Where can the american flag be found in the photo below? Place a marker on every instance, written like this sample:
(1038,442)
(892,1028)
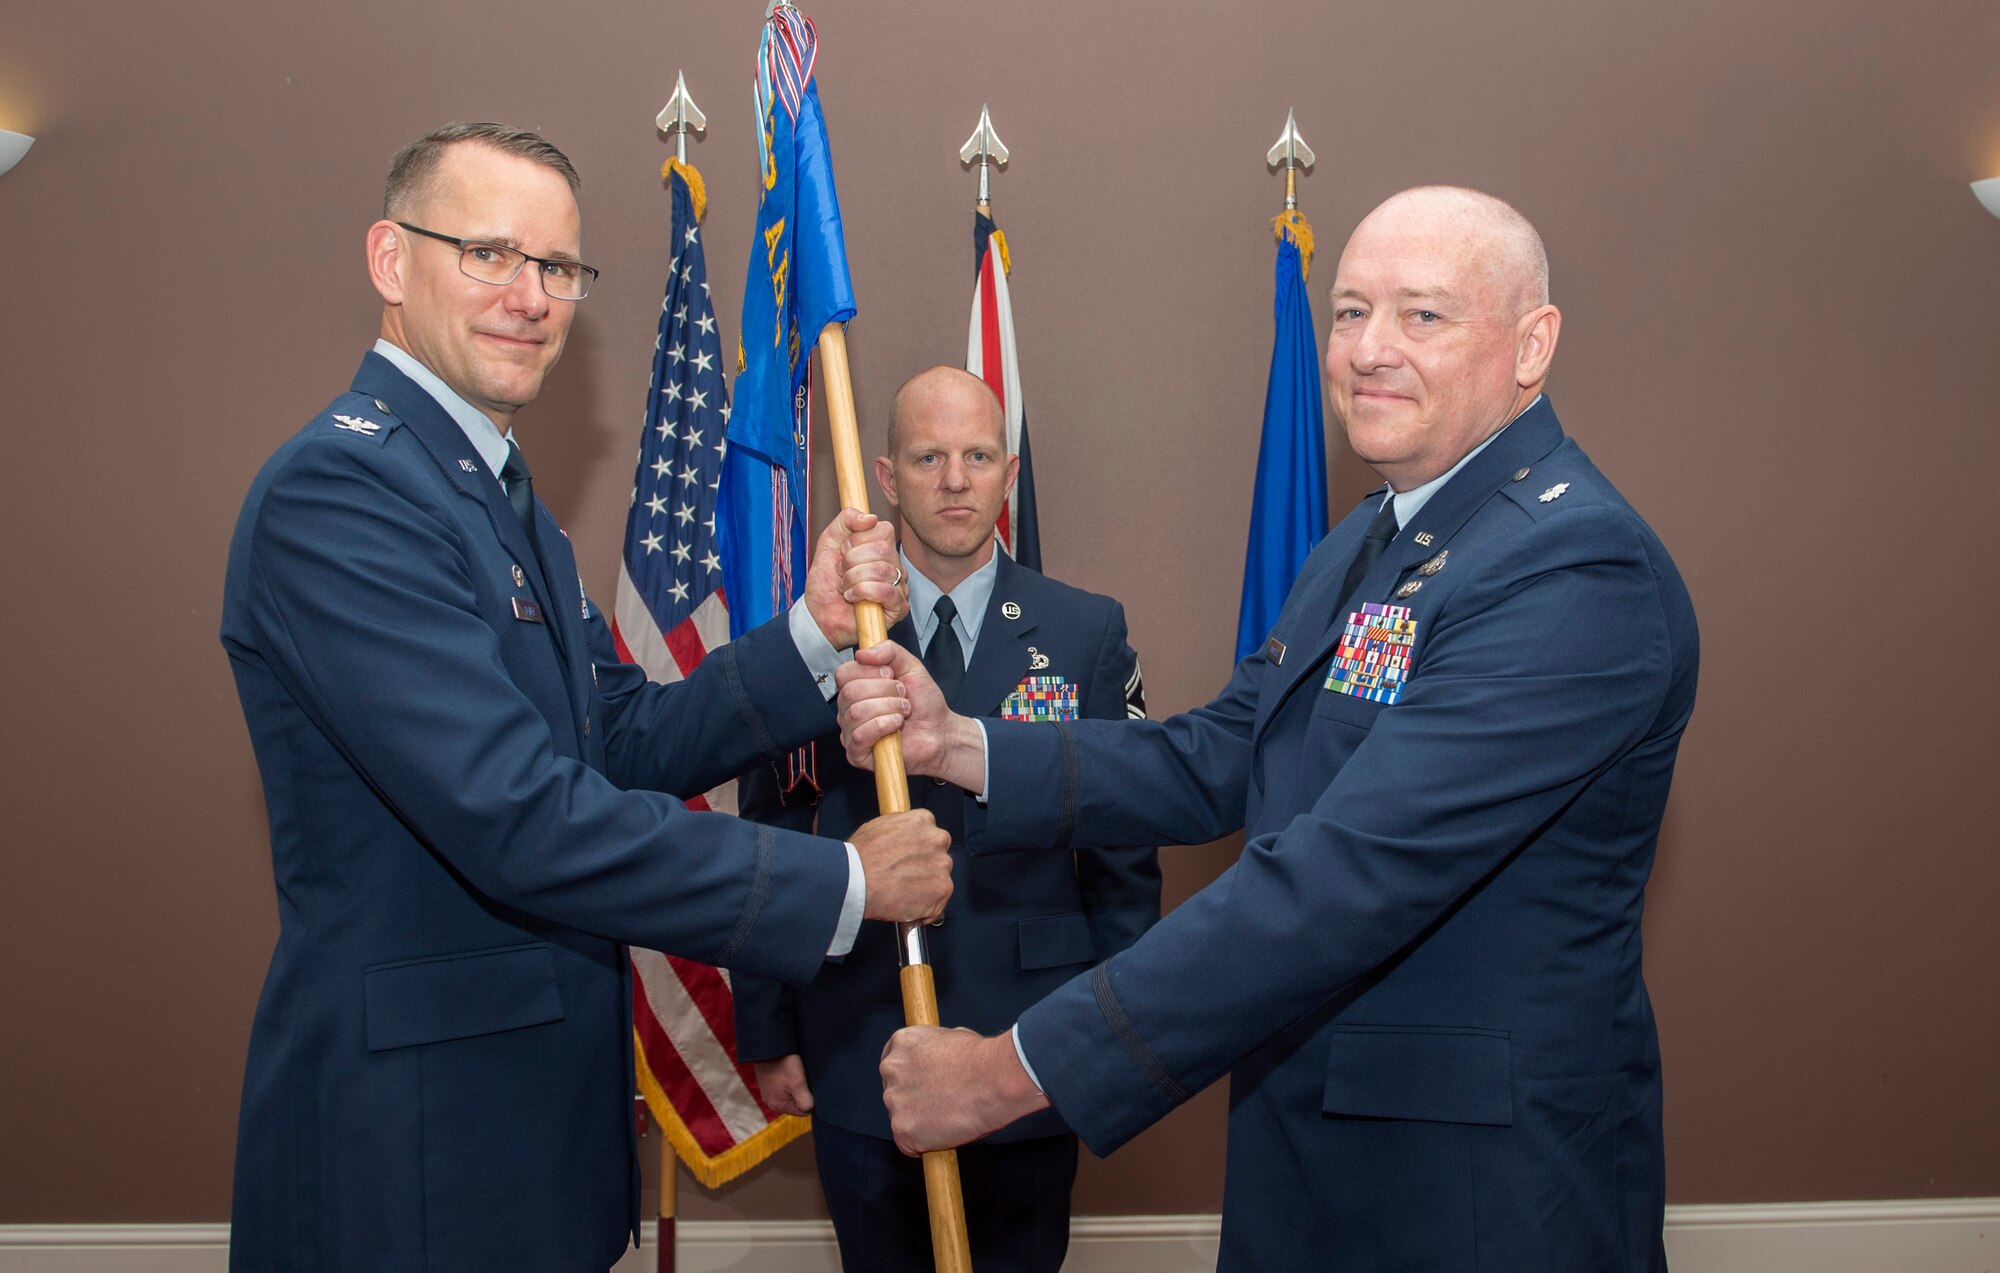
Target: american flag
(671,611)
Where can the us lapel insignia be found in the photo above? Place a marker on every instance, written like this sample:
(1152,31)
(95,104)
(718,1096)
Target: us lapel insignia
(1554,493)
(1010,610)
(355,424)
(1423,538)
(468,466)
(1434,565)
(1037,661)
(520,579)
(1274,650)
(382,406)
(1409,589)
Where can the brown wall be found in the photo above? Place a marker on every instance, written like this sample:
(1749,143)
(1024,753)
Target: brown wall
(1781,341)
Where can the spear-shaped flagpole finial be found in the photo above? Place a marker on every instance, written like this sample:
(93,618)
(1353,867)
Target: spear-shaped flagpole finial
(1291,153)
(985,149)
(681,117)
(776,5)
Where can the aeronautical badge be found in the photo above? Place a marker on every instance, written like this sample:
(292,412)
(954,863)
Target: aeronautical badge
(1041,698)
(1372,660)
(355,424)
(1434,565)
(1554,493)
(1409,589)
(1037,661)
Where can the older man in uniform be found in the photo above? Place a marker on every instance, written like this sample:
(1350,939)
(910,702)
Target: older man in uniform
(1450,761)
(472,801)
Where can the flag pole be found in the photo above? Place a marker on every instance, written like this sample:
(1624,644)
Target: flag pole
(949,1247)
(1291,153)
(677,119)
(983,148)
(670,1188)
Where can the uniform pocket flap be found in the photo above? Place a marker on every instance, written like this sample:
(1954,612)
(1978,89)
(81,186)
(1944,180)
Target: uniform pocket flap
(459,996)
(1439,1075)
(1050,941)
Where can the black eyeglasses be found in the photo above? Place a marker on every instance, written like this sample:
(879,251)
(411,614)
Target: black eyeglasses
(500,265)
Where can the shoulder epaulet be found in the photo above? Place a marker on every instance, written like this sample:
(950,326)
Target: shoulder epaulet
(1548,488)
(358,415)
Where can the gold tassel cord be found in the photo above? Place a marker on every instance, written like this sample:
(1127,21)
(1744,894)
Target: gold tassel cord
(999,241)
(731,1163)
(696,189)
(1292,223)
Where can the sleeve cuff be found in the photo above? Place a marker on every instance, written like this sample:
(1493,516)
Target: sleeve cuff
(985,789)
(1014,1032)
(818,652)
(850,907)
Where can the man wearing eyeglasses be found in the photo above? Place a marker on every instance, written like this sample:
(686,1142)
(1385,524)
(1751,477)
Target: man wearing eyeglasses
(472,800)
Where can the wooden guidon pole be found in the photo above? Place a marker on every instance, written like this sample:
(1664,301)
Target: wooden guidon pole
(892,790)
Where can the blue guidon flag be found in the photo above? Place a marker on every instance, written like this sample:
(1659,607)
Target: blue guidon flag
(797,284)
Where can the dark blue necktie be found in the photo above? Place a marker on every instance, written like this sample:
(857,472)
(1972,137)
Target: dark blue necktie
(1373,541)
(521,494)
(945,659)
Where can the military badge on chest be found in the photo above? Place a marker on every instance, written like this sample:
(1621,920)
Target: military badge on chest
(1041,698)
(1372,660)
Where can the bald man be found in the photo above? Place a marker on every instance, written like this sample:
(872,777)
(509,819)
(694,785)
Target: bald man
(1024,647)
(1450,761)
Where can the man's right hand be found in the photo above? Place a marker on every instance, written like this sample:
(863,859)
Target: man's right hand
(886,690)
(906,863)
(782,1084)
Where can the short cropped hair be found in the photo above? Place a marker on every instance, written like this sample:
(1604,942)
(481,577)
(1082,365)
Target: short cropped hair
(413,174)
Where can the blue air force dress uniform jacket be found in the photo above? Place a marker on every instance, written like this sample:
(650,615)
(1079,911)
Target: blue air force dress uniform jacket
(1018,924)
(1423,972)
(440,1070)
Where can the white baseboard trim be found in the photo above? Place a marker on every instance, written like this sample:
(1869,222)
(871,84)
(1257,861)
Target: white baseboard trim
(1952,1235)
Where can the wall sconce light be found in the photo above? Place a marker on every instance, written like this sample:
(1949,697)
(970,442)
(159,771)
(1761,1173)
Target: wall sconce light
(12,147)
(1987,190)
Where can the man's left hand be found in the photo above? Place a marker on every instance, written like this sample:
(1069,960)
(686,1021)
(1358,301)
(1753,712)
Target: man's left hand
(855,560)
(948,1087)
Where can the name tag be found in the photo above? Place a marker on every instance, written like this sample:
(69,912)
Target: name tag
(1274,650)
(527,611)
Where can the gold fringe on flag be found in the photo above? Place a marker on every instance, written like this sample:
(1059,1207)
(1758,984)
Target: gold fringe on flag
(714,1172)
(999,241)
(695,188)
(1292,222)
